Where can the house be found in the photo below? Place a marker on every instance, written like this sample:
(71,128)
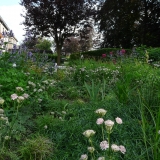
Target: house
(10,39)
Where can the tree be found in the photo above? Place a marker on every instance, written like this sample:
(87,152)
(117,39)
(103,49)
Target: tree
(149,23)
(128,22)
(86,35)
(71,45)
(117,18)
(44,44)
(29,41)
(56,18)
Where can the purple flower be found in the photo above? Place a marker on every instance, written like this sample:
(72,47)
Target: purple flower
(29,54)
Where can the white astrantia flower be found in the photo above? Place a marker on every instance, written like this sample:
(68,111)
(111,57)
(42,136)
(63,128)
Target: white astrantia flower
(109,125)
(7,137)
(45,127)
(104,145)
(14,65)
(122,149)
(89,133)
(101,158)
(64,112)
(91,149)
(1,100)
(19,89)
(1,111)
(101,112)
(14,96)
(115,148)
(100,121)
(118,120)
(20,99)
(25,95)
(84,157)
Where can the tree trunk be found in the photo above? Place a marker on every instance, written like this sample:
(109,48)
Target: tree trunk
(59,48)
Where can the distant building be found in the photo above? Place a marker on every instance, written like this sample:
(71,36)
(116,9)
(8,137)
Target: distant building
(11,39)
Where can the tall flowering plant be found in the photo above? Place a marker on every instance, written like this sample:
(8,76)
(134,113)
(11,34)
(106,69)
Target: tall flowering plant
(105,145)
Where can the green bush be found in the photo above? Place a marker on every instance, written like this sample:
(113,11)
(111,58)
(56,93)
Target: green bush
(154,54)
(97,54)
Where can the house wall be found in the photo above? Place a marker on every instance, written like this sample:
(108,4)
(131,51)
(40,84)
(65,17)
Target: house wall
(12,40)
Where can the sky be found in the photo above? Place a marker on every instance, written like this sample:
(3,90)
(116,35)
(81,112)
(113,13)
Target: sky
(10,11)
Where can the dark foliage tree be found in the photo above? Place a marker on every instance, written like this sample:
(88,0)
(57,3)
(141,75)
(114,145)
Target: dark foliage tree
(149,23)
(85,37)
(29,41)
(117,18)
(56,18)
(129,22)
(71,45)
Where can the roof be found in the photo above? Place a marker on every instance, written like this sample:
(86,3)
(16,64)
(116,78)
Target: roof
(6,26)
(4,23)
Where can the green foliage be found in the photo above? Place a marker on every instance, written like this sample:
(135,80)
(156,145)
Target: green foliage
(49,124)
(93,90)
(38,148)
(97,54)
(154,54)
(44,44)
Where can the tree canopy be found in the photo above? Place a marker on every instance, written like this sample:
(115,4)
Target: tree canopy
(56,18)
(129,22)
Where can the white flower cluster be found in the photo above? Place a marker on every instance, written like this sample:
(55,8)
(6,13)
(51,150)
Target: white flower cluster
(19,98)
(104,145)
(1,101)
(3,117)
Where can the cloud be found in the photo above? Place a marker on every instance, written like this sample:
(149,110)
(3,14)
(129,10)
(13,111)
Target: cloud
(12,17)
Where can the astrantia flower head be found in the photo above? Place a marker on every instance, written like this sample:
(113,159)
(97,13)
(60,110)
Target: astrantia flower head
(122,149)
(100,121)
(109,125)
(19,89)
(20,99)
(7,137)
(14,65)
(115,148)
(104,145)
(1,100)
(84,157)
(101,158)
(118,120)
(14,96)
(91,149)
(1,111)
(101,112)
(25,95)
(89,133)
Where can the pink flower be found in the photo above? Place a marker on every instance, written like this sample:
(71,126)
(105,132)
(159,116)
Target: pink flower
(118,120)
(122,149)
(103,55)
(84,157)
(104,145)
(100,121)
(123,51)
(14,96)
(25,95)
